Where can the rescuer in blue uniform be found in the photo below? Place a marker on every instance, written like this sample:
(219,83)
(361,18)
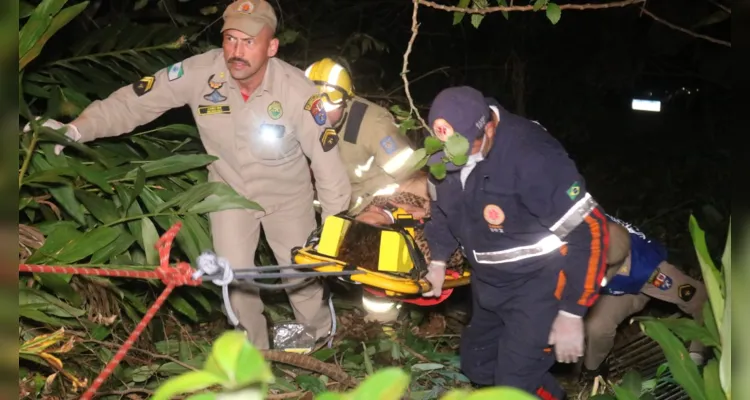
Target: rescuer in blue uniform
(535,237)
(637,272)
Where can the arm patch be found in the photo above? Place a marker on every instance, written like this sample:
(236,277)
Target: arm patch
(328,139)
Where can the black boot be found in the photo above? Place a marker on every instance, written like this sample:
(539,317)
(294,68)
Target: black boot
(588,375)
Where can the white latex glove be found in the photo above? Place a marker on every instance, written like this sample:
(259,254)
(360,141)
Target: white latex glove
(567,337)
(72,132)
(436,277)
(697,358)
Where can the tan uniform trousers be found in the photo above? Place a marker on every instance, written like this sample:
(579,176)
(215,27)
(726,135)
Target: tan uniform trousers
(609,311)
(236,234)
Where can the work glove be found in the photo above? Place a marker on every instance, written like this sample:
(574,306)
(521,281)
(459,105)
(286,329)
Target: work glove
(567,337)
(72,132)
(436,277)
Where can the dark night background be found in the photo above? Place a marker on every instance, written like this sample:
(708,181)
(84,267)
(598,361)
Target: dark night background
(577,78)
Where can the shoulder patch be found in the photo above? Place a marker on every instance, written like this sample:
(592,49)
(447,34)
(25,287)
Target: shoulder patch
(175,71)
(318,112)
(310,101)
(574,190)
(328,139)
(388,144)
(144,85)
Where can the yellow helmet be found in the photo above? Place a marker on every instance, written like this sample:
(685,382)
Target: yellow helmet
(333,81)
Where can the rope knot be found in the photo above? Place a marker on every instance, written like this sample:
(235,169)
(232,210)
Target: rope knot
(173,276)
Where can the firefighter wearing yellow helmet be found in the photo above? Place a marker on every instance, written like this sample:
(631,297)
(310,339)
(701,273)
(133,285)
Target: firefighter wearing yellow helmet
(374,152)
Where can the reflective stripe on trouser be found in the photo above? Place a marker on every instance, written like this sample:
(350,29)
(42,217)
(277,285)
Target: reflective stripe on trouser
(235,236)
(560,229)
(506,341)
(610,311)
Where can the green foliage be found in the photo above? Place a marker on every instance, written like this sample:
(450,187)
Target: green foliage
(455,150)
(240,369)
(671,333)
(552,10)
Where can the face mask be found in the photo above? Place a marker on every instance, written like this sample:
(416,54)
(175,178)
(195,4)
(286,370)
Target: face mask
(478,157)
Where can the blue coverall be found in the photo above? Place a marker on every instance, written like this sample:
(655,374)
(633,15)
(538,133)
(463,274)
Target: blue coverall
(544,252)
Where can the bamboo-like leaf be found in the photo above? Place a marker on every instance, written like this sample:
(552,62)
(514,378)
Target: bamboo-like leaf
(725,330)
(118,246)
(61,19)
(224,198)
(38,23)
(687,329)
(100,208)
(47,303)
(173,165)
(180,304)
(712,381)
(92,175)
(150,238)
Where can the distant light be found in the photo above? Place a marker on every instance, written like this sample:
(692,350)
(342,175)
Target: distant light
(646,105)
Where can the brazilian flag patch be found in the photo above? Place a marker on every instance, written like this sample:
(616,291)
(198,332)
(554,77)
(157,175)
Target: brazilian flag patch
(574,190)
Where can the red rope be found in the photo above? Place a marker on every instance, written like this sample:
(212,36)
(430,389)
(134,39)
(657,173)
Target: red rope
(172,277)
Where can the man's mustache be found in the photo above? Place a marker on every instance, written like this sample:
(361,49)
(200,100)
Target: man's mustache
(239,60)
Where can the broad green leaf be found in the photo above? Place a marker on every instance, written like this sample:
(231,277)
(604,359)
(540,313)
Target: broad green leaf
(24,9)
(711,276)
(725,331)
(180,304)
(625,394)
(417,159)
(456,144)
(476,20)
(332,396)
(59,284)
(682,367)
(48,176)
(118,246)
(47,303)
(203,396)
(712,381)
(224,198)
(150,238)
(538,4)
(92,175)
(189,382)
(173,165)
(38,23)
(233,357)
(192,196)
(427,367)
(631,383)
(687,329)
(101,209)
(505,393)
(432,145)
(710,323)
(60,20)
(386,384)
(438,170)
(553,13)
(502,3)
(460,159)
(458,16)
(31,311)
(69,247)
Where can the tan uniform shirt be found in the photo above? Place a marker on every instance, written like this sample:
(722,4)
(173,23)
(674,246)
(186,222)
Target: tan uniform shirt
(261,143)
(375,154)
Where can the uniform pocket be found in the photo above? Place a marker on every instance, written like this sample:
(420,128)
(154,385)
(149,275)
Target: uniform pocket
(273,144)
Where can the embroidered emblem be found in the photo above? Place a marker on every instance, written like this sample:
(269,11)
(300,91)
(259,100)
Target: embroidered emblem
(442,129)
(215,96)
(662,281)
(328,139)
(210,110)
(686,292)
(388,144)
(574,190)
(318,112)
(274,110)
(246,8)
(144,85)
(494,216)
(624,270)
(310,101)
(175,71)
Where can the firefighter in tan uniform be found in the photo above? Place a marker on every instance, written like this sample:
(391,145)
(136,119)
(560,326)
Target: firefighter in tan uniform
(260,116)
(638,271)
(374,151)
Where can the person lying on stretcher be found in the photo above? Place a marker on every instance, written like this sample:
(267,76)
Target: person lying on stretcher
(361,244)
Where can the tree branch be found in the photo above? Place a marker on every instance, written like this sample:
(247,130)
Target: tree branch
(723,7)
(685,31)
(488,10)
(405,69)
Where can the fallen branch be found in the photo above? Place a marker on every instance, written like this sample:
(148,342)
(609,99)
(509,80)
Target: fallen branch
(685,31)
(489,10)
